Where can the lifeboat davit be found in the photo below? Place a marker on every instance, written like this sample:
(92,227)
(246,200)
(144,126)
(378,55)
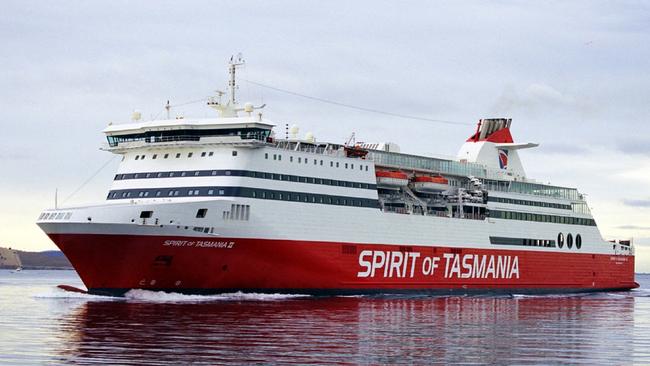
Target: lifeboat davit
(392,179)
(428,184)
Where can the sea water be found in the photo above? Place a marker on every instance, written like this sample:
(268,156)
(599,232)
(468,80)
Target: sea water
(40,324)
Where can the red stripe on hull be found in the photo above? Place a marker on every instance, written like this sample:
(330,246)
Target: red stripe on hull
(212,265)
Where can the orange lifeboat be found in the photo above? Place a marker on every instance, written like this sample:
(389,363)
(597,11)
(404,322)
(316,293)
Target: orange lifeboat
(391,179)
(428,184)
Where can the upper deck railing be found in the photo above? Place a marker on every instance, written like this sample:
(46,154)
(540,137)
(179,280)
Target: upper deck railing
(492,181)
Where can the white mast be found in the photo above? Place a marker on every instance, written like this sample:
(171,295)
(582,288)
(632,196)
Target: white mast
(233,84)
(230,109)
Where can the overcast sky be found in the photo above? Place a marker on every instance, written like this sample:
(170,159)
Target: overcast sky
(574,76)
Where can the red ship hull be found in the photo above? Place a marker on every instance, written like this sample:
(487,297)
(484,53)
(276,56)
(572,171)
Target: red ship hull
(114,264)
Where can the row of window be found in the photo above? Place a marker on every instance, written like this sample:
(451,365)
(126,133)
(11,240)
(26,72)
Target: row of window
(528,203)
(497,240)
(200,213)
(243,192)
(525,216)
(569,240)
(55,216)
(190,135)
(539,242)
(247,173)
(238,212)
(316,162)
(178,155)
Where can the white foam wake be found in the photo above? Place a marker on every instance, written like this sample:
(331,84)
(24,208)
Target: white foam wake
(161,296)
(57,293)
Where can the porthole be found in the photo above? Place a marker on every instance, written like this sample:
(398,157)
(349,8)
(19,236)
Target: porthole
(560,240)
(569,241)
(578,241)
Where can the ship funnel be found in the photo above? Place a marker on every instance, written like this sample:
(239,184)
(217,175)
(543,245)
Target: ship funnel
(493,129)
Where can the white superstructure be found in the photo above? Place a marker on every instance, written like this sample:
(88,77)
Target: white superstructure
(232,177)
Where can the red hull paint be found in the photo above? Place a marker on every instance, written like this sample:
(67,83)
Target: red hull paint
(116,263)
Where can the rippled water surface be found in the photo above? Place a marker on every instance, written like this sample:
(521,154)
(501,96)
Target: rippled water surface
(42,324)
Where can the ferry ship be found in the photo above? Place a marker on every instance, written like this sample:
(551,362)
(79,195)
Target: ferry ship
(226,204)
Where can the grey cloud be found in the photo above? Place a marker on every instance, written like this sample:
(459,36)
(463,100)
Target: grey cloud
(633,227)
(637,203)
(562,148)
(538,97)
(642,242)
(640,147)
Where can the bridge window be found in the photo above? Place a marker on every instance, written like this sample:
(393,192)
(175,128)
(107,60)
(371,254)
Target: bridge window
(201,212)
